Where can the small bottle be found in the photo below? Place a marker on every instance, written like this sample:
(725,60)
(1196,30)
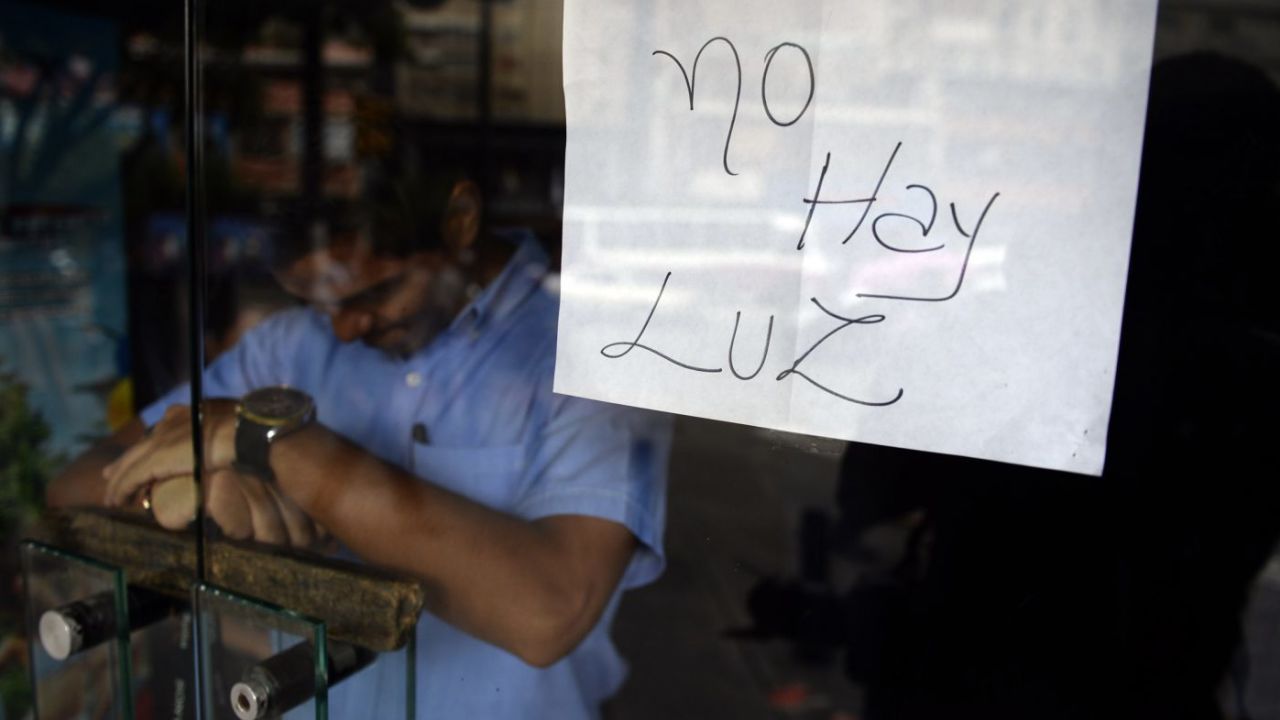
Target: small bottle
(83,624)
(287,679)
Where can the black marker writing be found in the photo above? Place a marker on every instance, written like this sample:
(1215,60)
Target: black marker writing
(925,228)
(964,266)
(813,203)
(882,223)
(629,346)
(817,199)
(764,79)
(690,81)
(734,341)
(845,322)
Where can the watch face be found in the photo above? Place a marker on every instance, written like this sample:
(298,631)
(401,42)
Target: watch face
(276,405)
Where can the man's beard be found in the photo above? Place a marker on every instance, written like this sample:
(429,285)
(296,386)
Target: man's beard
(447,295)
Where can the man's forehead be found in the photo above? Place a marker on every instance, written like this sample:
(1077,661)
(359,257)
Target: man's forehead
(333,273)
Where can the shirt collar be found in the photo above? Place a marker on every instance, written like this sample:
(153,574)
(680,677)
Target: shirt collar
(523,273)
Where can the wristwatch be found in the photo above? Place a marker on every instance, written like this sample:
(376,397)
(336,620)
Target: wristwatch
(264,416)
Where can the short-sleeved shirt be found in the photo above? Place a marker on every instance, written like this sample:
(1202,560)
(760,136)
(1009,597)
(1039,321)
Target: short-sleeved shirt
(473,412)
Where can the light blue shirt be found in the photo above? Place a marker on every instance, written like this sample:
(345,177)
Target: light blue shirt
(496,434)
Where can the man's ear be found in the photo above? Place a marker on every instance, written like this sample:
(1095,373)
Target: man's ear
(461,225)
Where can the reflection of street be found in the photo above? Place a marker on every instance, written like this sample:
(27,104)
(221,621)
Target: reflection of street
(736,497)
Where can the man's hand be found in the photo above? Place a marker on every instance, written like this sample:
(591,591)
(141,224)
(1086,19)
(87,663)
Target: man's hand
(246,507)
(161,466)
(166,452)
(243,506)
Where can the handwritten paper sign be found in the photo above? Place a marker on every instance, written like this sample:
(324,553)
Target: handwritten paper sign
(899,222)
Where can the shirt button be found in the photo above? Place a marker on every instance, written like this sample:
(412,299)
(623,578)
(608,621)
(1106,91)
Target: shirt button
(413,379)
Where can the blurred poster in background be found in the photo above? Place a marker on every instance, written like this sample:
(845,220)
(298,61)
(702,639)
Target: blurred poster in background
(62,261)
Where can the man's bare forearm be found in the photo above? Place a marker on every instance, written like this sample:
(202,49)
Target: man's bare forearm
(533,588)
(81,483)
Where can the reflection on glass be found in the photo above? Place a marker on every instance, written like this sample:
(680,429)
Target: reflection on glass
(92,310)
(380,208)
(349,151)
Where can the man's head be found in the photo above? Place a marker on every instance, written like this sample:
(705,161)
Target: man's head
(397,280)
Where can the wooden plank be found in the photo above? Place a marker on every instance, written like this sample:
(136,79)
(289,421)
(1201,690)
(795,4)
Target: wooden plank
(358,604)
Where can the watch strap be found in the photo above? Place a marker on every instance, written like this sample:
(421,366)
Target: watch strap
(253,448)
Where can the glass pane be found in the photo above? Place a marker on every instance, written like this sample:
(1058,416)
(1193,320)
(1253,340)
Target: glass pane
(382,199)
(798,575)
(259,660)
(395,675)
(76,615)
(263,661)
(93,291)
(391,195)
(809,578)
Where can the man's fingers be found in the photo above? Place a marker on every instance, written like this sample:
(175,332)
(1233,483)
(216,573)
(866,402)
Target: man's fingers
(226,504)
(301,529)
(242,505)
(165,453)
(268,525)
(154,464)
(116,471)
(173,502)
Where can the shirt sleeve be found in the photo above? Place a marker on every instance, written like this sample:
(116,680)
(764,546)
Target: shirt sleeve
(606,461)
(254,362)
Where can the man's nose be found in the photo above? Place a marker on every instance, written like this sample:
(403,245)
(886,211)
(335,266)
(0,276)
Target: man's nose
(349,325)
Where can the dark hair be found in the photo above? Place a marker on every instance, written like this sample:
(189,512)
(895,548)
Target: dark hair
(397,215)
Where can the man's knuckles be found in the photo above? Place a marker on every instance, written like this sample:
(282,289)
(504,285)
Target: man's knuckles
(242,506)
(173,502)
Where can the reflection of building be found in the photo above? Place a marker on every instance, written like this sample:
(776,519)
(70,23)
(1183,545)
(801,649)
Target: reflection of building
(266,155)
(517,147)
(440,75)
(1244,29)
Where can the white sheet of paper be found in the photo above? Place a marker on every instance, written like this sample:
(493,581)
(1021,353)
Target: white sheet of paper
(956,287)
